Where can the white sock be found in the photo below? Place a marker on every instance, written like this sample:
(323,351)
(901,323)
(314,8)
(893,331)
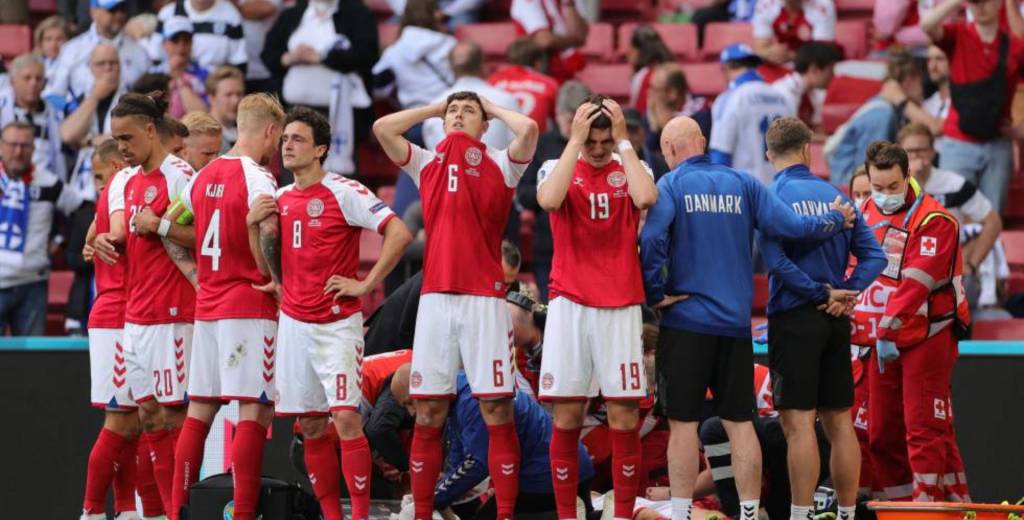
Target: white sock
(102,516)
(748,509)
(799,512)
(681,508)
(847,513)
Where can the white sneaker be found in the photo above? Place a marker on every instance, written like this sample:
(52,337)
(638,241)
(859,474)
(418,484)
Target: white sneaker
(127,515)
(87,516)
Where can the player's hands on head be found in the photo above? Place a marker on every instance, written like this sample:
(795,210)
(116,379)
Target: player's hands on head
(849,214)
(146,222)
(614,111)
(105,248)
(488,108)
(262,207)
(341,287)
(585,116)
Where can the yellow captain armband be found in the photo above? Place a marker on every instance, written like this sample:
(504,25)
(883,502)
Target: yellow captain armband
(184,216)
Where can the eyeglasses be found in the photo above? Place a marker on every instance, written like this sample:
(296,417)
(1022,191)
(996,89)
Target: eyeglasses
(23,146)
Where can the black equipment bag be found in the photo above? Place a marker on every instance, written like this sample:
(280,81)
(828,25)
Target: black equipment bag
(211,499)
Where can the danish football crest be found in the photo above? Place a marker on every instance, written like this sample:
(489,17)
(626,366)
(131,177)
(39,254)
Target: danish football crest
(150,195)
(315,208)
(474,156)
(616,179)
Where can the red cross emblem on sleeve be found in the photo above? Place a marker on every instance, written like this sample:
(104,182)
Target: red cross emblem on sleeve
(928,246)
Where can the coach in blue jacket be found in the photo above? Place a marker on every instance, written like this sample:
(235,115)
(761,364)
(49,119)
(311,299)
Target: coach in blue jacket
(808,328)
(696,254)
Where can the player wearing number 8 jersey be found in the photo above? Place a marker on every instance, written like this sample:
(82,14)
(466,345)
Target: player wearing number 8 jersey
(320,355)
(467,191)
(235,339)
(593,332)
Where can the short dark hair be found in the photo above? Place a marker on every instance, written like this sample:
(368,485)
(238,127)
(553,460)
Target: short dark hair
(884,155)
(861,171)
(603,122)
(316,122)
(419,13)
(675,79)
(903,65)
(787,135)
(151,82)
(650,48)
(472,62)
(464,95)
(819,54)
(750,62)
(510,254)
(171,127)
(525,52)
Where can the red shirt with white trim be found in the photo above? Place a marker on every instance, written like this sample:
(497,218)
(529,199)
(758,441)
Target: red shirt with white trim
(535,92)
(220,196)
(531,16)
(320,229)
(596,261)
(107,311)
(815,21)
(157,291)
(378,368)
(466,190)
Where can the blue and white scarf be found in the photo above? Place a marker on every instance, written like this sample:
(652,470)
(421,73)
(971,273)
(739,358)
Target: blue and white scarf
(15,198)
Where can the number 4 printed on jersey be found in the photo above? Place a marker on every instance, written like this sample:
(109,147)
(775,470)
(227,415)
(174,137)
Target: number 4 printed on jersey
(211,241)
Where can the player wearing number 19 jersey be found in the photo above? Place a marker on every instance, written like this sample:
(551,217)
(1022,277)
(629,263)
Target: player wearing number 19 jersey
(467,192)
(233,353)
(593,331)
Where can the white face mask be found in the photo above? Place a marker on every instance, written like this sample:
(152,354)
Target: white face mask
(858,202)
(889,204)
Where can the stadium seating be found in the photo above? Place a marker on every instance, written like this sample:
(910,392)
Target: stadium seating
(845,95)
(1013,243)
(681,39)
(705,79)
(42,7)
(609,79)
(58,289)
(852,36)
(998,329)
(493,37)
(600,42)
(627,9)
(719,35)
(14,40)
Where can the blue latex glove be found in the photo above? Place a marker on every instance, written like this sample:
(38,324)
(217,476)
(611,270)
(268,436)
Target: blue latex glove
(763,338)
(886,351)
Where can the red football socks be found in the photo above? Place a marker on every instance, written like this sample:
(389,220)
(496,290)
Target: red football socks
(356,464)
(102,459)
(322,465)
(152,504)
(188,458)
(161,446)
(625,470)
(565,470)
(124,477)
(250,439)
(503,464)
(424,467)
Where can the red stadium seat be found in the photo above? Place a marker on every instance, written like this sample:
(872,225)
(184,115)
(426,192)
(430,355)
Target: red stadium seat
(818,164)
(998,329)
(15,40)
(59,285)
(493,38)
(627,9)
(719,35)
(845,95)
(610,80)
(1014,211)
(600,42)
(760,294)
(705,79)
(387,33)
(856,6)
(1013,243)
(680,38)
(852,36)
(43,7)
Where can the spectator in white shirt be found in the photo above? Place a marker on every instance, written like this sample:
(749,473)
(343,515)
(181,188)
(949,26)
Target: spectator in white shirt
(258,17)
(72,74)
(416,66)
(557,27)
(783,26)
(218,37)
(805,86)
(938,72)
(49,36)
(22,101)
(31,195)
(225,88)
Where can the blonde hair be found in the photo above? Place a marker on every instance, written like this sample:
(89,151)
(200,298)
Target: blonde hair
(201,123)
(50,22)
(220,74)
(257,110)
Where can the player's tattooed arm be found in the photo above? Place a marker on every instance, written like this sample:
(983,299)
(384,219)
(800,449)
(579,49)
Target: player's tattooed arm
(263,206)
(182,258)
(270,245)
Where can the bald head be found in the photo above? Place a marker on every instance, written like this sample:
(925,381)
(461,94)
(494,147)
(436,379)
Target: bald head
(400,384)
(681,139)
(467,59)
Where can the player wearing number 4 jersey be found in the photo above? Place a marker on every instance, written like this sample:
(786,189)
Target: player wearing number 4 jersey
(161,300)
(467,191)
(593,329)
(321,350)
(233,353)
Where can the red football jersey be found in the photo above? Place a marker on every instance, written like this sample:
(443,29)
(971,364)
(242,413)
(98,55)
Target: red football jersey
(107,311)
(220,196)
(320,228)
(534,91)
(379,367)
(596,261)
(157,291)
(467,191)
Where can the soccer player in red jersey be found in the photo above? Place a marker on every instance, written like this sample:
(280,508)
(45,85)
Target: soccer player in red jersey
(236,323)
(467,191)
(593,333)
(535,92)
(320,355)
(161,299)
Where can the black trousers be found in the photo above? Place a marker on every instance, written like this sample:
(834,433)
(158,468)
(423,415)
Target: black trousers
(529,506)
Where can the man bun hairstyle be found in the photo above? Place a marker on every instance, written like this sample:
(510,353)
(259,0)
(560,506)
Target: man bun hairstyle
(149,107)
(787,135)
(883,155)
(316,122)
(603,122)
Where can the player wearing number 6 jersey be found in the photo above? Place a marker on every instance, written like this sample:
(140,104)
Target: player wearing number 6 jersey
(235,338)
(467,191)
(593,332)
(321,348)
